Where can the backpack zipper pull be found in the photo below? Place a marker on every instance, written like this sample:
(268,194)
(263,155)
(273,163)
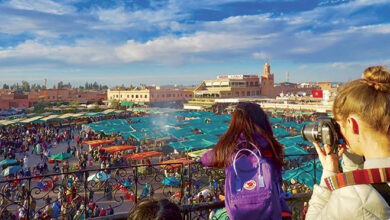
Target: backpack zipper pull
(238,184)
(261,181)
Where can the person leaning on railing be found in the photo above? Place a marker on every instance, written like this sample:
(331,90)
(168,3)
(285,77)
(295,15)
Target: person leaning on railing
(362,109)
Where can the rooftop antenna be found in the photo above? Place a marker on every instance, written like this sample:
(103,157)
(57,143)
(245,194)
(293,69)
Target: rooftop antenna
(287,76)
(45,83)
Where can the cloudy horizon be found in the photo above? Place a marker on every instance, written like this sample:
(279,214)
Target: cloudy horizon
(162,42)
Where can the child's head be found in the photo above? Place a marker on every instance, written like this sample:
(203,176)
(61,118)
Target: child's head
(248,122)
(252,113)
(155,210)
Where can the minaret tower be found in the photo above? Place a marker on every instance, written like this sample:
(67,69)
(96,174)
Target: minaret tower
(267,81)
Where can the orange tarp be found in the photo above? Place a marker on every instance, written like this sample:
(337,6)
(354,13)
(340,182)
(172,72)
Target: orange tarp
(184,161)
(96,143)
(114,149)
(143,155)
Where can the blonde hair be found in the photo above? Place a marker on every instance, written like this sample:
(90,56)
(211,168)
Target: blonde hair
(368,97)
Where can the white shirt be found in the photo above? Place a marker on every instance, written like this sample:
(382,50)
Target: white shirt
(350,202)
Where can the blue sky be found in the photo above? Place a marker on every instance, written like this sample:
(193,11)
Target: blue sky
(186,41)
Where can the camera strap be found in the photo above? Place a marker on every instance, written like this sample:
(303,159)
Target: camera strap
(384,190)
(356,177)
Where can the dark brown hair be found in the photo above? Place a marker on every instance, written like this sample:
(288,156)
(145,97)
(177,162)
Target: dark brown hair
(248,119)
(155,210)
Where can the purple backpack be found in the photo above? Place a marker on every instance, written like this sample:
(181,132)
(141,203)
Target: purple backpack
(253,187)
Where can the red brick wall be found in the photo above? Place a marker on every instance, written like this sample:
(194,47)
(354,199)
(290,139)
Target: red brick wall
(4,104)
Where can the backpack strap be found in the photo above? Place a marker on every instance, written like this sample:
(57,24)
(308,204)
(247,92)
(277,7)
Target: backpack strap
(265,153)
(366,176)
(384,190)
(261,179)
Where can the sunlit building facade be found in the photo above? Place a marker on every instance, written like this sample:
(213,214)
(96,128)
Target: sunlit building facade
(229,86)
(150,94)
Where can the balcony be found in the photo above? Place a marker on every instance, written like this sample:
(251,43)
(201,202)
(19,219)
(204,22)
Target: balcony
(69,194)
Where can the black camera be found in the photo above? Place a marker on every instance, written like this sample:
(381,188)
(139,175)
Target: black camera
(325,130)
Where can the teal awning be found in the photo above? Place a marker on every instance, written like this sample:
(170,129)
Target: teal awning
(127,104)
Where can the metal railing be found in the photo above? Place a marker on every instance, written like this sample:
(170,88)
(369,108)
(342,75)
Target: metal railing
(73,193)
(77,194)
(212,210)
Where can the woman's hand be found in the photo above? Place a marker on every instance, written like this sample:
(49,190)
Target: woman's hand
(329,162)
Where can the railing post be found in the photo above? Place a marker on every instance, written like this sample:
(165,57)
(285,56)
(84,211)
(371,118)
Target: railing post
(182,180)
(189,186)
(136,184)
(190,178)
(85,194)
(315,169)
(28,198)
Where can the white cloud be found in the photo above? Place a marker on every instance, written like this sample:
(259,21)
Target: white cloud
(82,53)
(16,24)
(46,6)
(119,18)
(260,55)
(294,37)
(176,49)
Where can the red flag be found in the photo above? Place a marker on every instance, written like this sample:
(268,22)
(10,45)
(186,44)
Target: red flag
(317,93)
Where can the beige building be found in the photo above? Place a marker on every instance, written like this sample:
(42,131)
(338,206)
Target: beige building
(325,85)
(150,94)
(230,86)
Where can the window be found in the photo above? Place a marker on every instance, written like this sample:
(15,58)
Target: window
(121,96)
(190,95)
(54,97)
(146,96)
(248,93)
(158,96)
(247,84)
(258,93)
(185,95)
(152,96)
(162,95)
(251,84)
(253,93)
(173,95)
(237,93)
(128,96)
(117,96)
(136,96)
(242,93)
(140,96)
(256,83)
(132,96)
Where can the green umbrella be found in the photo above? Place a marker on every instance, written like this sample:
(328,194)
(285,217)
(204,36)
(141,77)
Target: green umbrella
(8,162)
(61,156)
(11,170)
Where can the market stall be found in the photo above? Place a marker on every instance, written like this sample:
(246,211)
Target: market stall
(118,148)
(175,163)
(143,155)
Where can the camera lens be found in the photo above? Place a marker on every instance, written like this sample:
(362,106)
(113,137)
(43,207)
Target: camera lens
(309,132)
